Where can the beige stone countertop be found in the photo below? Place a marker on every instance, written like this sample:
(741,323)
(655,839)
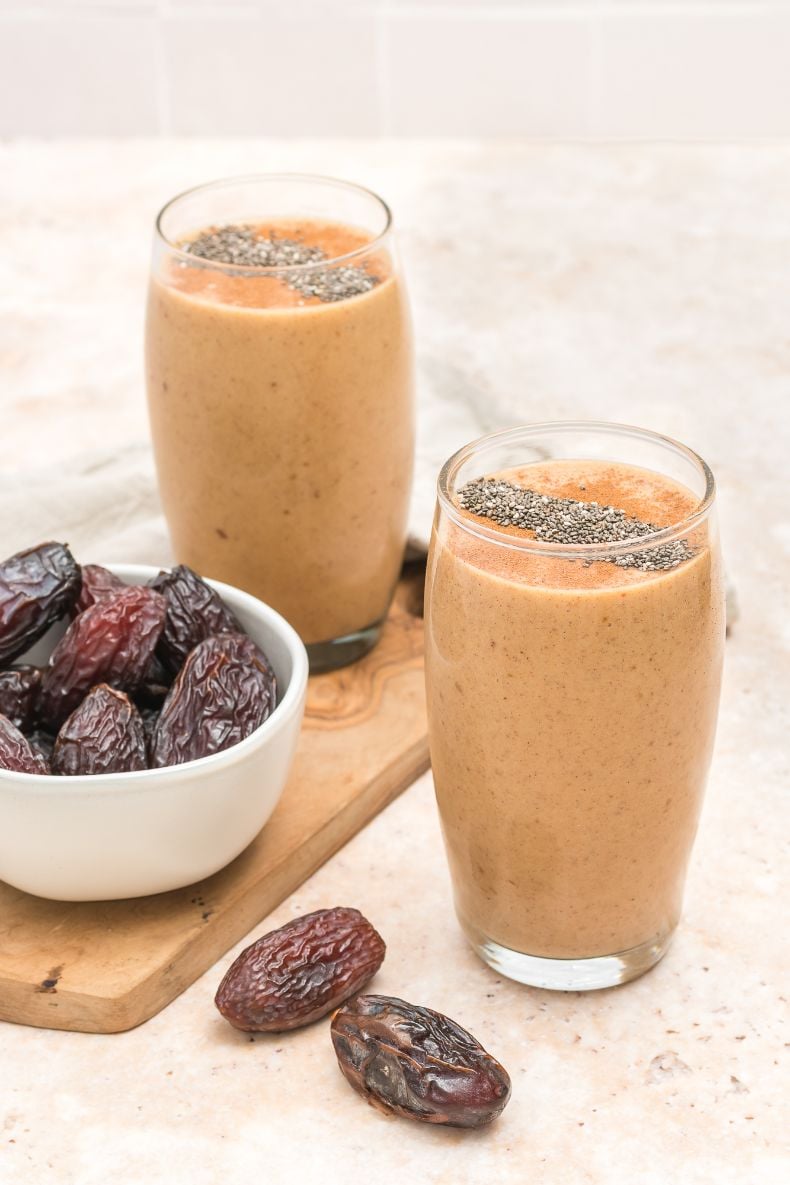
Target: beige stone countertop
(649,284)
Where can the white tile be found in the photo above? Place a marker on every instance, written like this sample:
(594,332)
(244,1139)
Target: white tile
(78,76)
(495,9)
(471,76)
(304,10)
(708,6)
(691,75)
(45,9)
(225,7)
(294,70)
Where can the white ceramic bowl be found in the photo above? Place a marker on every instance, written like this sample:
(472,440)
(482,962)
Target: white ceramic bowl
(127,835)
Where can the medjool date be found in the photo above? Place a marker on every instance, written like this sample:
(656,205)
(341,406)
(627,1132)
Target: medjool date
(194,612)
(97,584)
(149,717)
(417,1063)
(18,692)
(224,691)
(156,683)
(111,642)
(16,753)
(103,735)
(300,972)
(37,587)
(42,742)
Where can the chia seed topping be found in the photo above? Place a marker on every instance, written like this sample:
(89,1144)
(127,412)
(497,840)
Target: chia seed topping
(243,246)
(567,521)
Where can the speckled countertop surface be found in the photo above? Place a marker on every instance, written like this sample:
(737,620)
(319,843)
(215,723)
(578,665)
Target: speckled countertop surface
(646,284)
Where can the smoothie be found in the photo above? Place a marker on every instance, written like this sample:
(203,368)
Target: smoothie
(281,413)
(572,709)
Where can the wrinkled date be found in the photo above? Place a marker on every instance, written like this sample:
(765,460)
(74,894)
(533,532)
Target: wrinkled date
(18,693)
(104,735)
(97,584)
(224,691)
(135,640)
(111,642)
(37,587)
(16,752)
(300,972)
(417,1063)
(156,683)
(41,742)
(194,612)
(149,717)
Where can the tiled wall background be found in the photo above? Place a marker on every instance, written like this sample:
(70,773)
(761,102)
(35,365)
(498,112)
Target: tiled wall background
(679,69)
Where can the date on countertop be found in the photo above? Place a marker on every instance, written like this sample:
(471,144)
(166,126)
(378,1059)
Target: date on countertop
(299,973)
(417,1063)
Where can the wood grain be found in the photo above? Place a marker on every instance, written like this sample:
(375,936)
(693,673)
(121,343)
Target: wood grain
(104,967)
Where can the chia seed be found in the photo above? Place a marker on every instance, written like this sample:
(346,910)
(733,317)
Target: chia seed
(566,521)
(243,246)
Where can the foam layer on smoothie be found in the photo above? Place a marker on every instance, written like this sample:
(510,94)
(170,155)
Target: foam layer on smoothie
(206,280)
(640,493)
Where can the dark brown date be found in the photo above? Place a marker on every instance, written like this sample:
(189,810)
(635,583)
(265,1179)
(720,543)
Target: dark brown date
(194,612)
(300,972)
(42,742)
(97,584)
(417,1063)
(156,683)
(224,691)
(37,587)
(149,717)
(104,735)
(111,642)
(18,693)
(16,753)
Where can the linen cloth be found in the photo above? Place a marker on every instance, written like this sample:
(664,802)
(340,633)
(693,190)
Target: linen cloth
(105,504)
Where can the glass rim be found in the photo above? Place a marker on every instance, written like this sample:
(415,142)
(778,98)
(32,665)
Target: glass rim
(271,269)
(587,551)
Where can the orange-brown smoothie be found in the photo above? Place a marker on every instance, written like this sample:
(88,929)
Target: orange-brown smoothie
(572,714)
(283,431)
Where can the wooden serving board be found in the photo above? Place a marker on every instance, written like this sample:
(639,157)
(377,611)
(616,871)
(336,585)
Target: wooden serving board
(102,967)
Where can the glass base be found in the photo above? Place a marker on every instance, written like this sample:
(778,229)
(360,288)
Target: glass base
(572,975)
(328,656)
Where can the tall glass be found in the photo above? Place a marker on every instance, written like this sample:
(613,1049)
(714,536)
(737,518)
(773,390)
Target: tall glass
(573,690)
(281,400)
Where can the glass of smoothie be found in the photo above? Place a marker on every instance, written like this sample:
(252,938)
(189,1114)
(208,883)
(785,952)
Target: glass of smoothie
(574,642)
(280,390)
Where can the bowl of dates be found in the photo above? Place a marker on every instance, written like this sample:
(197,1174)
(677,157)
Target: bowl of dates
(148,722)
